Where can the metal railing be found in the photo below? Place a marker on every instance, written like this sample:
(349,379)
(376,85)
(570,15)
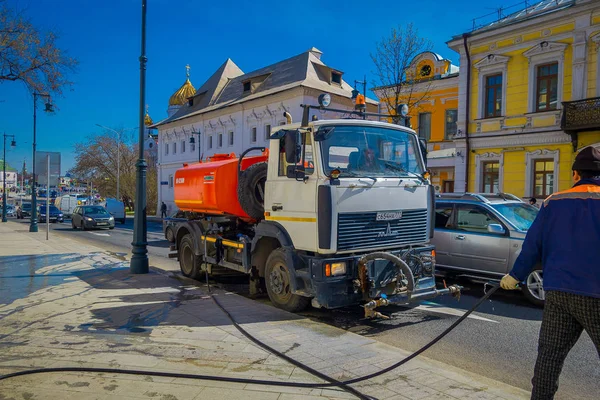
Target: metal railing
(581,115)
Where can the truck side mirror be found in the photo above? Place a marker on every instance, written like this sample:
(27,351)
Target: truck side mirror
(293,148)
(423,145)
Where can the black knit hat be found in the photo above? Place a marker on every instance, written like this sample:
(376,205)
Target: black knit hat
(588,159)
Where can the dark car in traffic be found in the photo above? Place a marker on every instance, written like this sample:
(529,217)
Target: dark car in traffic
(89,217)
(55,215)
(25,210)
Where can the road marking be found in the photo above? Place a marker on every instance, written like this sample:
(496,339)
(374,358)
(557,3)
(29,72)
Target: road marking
(99,234)
(437,308)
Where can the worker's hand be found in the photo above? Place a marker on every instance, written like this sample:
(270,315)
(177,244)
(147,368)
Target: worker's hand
(509,283)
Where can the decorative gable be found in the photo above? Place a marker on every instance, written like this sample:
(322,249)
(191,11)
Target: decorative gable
(545,48)
(491,59)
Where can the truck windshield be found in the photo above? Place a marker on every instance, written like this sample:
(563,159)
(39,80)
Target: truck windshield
(369,151)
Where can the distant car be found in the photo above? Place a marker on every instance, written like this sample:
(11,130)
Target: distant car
(479,236)
(55,215)
(116,208)
(26,210)
(89,217)
(169,224)
(10,211)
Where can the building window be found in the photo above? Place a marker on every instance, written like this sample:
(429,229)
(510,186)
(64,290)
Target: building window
(543,178)
(170,181)
(253,135)
(220,140)
(231,138)
(183,146)
(493,96)
(210,142)
(336,77)
(425,125)
(547,87)
(247,86)
(192,147)
(491,177)
(174,147)
(166,149)
(267,132)
(451,118)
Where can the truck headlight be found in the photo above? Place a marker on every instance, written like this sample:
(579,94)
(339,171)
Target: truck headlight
(335,269)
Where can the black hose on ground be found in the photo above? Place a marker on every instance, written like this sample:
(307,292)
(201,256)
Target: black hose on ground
(259,381)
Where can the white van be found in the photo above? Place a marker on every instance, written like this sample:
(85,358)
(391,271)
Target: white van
(116,208)
(66,204)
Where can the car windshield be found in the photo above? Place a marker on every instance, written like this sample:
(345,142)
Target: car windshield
(94,210)
(521,215)
(369,151)
(26,206)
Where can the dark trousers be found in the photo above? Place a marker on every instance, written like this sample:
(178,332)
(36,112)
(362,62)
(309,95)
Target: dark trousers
(566,315)
(163,213)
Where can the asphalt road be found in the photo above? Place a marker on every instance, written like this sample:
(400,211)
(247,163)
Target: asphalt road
(498,341)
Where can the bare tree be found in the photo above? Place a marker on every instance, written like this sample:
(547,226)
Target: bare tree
(96,159)
(392,58)
(30,56)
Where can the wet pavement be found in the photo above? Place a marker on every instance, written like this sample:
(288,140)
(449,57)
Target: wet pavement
(76,305)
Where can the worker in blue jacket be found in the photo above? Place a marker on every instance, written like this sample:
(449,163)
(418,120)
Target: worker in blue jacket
(565,239)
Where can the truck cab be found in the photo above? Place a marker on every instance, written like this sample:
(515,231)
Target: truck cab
(346,218)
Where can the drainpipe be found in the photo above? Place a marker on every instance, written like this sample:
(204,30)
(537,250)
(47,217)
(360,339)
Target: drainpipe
(467,111)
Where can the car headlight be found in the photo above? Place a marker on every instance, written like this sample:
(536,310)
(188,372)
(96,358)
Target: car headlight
(335,269)
(111,218)
(60,215)
(89,219)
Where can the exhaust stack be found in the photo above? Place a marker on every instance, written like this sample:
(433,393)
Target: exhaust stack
(288,117)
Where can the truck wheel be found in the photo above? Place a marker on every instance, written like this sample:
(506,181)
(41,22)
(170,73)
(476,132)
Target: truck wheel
(277,277)
(189,263)
(169,235)
(534,288)
(251,190)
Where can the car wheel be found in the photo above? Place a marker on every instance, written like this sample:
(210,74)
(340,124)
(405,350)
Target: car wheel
(277,280)
(189,263)
(533,289)
(83,228)
(169,235)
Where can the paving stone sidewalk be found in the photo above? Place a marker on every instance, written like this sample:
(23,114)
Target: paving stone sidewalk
(63,303)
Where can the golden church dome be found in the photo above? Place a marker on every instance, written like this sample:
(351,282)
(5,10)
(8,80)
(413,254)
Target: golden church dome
(147,119)
(186,90)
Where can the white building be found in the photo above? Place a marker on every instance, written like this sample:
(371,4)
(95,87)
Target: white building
(233,111)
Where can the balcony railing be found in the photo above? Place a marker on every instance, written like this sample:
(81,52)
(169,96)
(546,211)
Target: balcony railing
(581,115)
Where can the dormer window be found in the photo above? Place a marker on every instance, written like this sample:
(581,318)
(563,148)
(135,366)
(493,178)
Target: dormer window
(247,86)
(336,77)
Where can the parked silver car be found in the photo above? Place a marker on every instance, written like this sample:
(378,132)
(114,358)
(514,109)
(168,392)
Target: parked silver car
(479,236)
(88,217)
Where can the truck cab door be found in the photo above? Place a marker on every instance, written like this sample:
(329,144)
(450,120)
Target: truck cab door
(291,193)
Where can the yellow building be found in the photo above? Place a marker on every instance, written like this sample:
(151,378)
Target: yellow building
(528,97)
(431,92)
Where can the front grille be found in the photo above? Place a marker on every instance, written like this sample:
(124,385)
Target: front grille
(362,230)
(102,219)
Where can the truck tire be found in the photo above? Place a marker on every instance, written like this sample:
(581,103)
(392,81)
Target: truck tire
(251,190)
(277,280)
(189,263)
(169,235)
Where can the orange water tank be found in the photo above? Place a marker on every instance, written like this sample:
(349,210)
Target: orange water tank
(211,187)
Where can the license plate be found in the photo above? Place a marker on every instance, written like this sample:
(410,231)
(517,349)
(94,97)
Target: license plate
(388,216)
(102,223)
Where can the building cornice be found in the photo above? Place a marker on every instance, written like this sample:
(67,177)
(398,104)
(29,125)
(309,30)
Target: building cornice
(545,48)
(491,60)
(568,14)
(481,141)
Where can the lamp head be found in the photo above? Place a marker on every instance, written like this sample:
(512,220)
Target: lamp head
(49,107)
(192,140)
(13,144)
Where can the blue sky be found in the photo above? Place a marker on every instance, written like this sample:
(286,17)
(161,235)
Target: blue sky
(104,35)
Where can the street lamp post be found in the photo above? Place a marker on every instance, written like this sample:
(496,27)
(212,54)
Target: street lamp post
(139,263)
(193,140)
(118,154)
(13,144)
(33,226)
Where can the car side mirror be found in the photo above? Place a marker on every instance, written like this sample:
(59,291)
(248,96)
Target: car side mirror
(293,148)
(496,229)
